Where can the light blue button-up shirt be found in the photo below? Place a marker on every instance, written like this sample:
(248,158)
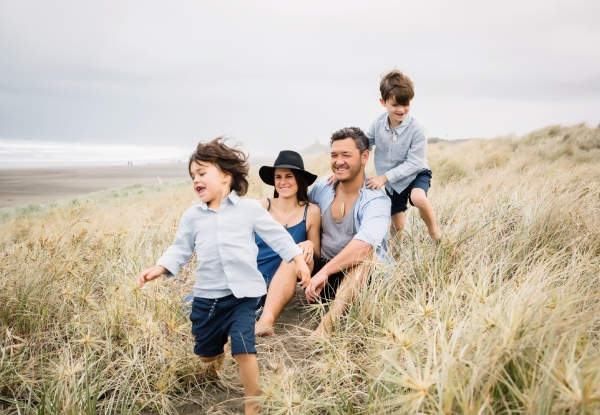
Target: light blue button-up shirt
(371,214)
(225,247)
(399,160)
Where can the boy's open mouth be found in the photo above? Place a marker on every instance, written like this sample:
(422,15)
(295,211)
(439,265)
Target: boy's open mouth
(200,189)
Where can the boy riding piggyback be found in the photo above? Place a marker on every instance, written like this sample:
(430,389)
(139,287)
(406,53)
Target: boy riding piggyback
(400,147)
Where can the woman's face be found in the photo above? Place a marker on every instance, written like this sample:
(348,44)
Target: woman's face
(285,183)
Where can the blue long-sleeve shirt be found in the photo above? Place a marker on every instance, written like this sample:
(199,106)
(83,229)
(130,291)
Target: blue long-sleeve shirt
(225,247)
(399,160)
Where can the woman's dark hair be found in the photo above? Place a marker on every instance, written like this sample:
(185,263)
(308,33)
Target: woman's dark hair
(229,160)
(302,183)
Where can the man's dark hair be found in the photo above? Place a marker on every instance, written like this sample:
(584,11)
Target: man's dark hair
(360,139)
(398,86)
(302,183)
(229,160)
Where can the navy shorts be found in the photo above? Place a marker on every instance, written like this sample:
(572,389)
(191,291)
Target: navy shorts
(400,200)
(333,282)
(215,319)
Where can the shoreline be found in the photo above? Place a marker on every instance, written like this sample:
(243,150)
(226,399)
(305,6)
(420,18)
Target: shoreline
(22,186)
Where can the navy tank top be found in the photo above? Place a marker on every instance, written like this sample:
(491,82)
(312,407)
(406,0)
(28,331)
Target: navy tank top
(268,260)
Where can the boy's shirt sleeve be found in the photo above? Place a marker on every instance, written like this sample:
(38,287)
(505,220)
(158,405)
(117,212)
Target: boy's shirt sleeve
(415,158)
(275,235)
(180,252)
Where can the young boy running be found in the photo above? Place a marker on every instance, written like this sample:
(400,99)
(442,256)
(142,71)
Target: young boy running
(228,284)
(400,146)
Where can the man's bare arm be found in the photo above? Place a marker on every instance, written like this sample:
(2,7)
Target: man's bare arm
(354,253)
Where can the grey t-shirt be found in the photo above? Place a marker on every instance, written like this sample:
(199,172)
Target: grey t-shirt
(336,235)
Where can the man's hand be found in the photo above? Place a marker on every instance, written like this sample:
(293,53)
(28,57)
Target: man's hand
(376,182)
(150,274)
(317,283)
(308,250)
(302,271)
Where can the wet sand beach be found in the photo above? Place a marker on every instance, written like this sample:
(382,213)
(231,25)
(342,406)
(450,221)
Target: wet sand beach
(20,187)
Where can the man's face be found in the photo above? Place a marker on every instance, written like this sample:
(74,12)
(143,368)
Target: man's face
(346,160)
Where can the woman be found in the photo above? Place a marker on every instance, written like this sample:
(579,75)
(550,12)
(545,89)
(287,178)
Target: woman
(289,207)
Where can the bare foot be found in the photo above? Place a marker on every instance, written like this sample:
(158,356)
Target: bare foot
(215,368)
(319,333)
(261,331)
(436,236)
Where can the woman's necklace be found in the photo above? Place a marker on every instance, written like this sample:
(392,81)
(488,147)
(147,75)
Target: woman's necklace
(287,217)
(342,208)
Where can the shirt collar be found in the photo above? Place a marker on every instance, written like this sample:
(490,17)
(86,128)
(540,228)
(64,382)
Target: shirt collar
(361,190)
(233,198)
(402,126)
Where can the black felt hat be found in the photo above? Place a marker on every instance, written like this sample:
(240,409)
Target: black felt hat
(286,159)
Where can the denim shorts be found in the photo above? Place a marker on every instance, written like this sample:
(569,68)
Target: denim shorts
(215,319)
(400,200)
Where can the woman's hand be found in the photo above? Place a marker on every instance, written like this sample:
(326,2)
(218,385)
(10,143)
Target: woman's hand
(308,250)
(377,182)
(331,180)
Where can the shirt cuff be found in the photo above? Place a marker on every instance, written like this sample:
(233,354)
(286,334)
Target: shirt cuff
(391,176)
(171,267)
(291,254)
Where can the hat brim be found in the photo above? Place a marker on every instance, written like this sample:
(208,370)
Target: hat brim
(267,174)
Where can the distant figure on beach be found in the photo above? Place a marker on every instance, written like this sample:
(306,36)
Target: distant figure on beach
(354,224)
(400,146)
(289,207)
(228,284)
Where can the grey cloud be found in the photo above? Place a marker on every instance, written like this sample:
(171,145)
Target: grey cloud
(280,73)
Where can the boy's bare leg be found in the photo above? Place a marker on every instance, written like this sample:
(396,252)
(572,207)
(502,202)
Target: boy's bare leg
(249,375)
(398,221)
(353,280)
(281,291)
(420,201)
(214,364)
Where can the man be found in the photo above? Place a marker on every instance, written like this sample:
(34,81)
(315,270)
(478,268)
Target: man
(355,222)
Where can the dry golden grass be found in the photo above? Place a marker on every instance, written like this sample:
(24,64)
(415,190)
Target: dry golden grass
(501,317)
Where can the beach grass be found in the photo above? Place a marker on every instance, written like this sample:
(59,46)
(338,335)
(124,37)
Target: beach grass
(501,317)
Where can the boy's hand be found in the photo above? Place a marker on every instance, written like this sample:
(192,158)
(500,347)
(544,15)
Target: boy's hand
(150,274)
(302,271)
(376,182)
(308,250)
(331,180)
(317,283)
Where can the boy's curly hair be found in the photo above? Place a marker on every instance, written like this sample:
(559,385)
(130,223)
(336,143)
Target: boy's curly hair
(398,86)
(229,160)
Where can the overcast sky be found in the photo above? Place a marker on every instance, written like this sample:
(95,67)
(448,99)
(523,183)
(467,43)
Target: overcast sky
(279,74)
